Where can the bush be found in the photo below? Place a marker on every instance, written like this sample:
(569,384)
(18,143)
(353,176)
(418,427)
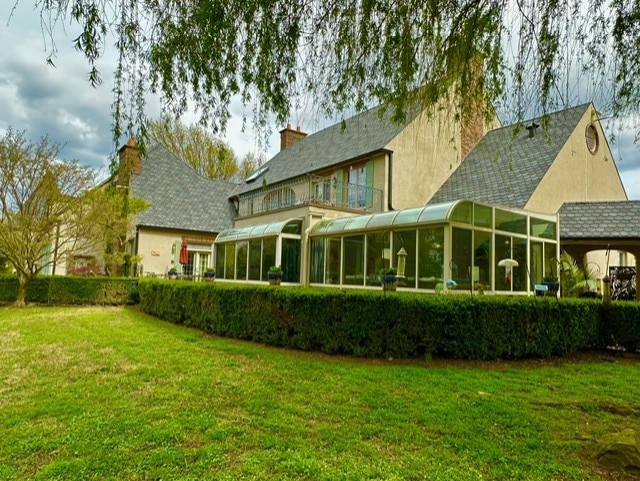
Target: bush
(620,325)
(73,290)
(368,323)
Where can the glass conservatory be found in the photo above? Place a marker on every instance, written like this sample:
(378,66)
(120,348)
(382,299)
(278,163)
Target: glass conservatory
(245,254)
(462,246)
(459,245)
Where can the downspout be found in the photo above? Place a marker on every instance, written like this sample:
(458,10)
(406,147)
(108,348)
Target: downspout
(390,181)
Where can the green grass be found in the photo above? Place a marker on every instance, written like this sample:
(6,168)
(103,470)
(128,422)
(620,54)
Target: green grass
(110,393)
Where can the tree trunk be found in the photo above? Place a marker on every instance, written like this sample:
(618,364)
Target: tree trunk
(22,290)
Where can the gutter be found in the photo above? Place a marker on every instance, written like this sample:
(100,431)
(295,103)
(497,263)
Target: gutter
(390,181)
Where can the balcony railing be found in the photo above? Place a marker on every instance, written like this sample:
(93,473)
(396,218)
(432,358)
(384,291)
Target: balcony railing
(312,190)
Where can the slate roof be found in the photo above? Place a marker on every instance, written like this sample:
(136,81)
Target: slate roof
(600,220)
(506,166)
(365,133)
(180,197)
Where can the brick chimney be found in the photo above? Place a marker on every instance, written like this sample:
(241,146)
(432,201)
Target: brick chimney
(288,136)
(129,161)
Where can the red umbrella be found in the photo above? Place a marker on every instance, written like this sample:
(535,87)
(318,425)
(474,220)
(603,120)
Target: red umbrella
(184,255)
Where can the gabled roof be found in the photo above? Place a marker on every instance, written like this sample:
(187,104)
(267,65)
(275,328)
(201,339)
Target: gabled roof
(600,220)
(180,197)
(363,134)
(506,166)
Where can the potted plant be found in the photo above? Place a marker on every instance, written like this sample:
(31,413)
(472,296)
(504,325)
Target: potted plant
(274,275)
(209,274)
(552,283)
(173,273)
(388,278)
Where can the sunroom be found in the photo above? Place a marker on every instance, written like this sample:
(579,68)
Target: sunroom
(461,245)
(246,254)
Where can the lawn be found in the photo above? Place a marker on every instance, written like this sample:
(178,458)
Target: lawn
(111,393)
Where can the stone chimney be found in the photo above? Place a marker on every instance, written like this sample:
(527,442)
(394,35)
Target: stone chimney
(472,130)
(288,136)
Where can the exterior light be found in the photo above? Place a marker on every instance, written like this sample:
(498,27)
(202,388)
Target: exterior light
(402,263)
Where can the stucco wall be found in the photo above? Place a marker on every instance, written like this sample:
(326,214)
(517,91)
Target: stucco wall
(577,174)
(155,246)
(426,153)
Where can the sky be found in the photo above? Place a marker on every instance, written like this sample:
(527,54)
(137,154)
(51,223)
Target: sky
(59,101)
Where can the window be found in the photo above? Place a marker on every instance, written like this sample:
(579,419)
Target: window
(357,193)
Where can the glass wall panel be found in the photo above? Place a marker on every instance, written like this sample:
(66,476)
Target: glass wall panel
(430,257)
(317,261)
(550,261)
(242,251)
(482,216)
(353,270)
(219,248)
(520,273)
(462,213)
(230,260)
(482,259)
(378,255)
(542,228)
(255,259)
(333,261)
(406,239)
(537,262)
(461,258)
(268,255)
(511,222)
(503,275)
(290,260)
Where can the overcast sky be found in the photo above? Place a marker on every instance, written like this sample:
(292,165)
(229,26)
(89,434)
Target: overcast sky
(59,102)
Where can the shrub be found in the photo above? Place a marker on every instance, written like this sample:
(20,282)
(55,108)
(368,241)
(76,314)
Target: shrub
(367,323)
(73,290)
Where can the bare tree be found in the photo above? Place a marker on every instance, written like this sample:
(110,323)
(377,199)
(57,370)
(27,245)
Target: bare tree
(44,210)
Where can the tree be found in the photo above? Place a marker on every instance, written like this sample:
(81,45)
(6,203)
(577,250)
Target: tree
(250,163)
(354,53)
(44,210)
(207,154)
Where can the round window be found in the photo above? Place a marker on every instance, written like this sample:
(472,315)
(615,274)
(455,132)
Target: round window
(591,136)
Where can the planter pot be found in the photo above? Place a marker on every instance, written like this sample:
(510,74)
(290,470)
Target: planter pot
(552,287)
(274,279)
(172,276)
(389,283)
(209,276)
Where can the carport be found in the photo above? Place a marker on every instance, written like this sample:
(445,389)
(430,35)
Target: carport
(603,225)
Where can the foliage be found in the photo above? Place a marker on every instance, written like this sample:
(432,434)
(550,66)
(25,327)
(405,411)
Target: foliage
(577,280)
(207,154)
(367,323)
(65,290)
(354,54)
(388,271)
(110,393)
(620,325)
(275,270)
(45,208)
(113,211)
(250,163)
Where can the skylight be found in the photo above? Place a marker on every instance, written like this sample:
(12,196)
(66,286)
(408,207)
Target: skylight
(257,174)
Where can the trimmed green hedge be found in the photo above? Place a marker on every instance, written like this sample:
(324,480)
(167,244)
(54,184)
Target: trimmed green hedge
(73,290)
(368,323)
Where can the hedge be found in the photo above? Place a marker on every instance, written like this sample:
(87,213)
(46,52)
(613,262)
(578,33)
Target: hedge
(369,323)
(72,290)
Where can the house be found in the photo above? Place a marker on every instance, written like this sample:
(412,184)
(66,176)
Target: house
(334,206)
(184,208)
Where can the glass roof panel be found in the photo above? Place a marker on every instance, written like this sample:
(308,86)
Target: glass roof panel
(359,222)
(436,212)
(384,219)
(321,227)
(408,216)
(337,225)
(291,226)
(463,212)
